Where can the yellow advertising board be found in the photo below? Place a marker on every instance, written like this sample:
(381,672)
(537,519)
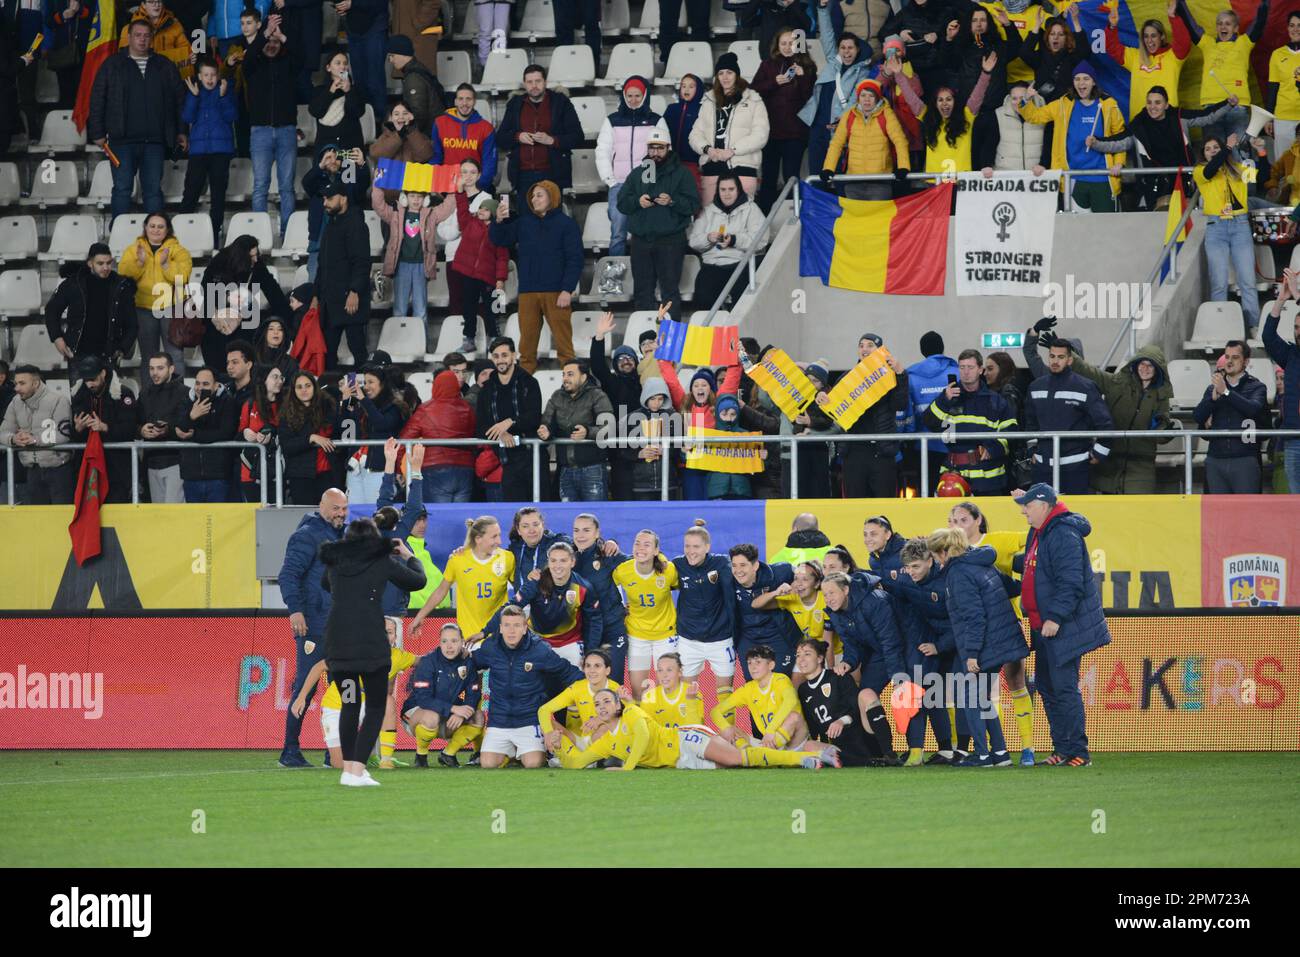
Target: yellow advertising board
(154,556)
(1147,548)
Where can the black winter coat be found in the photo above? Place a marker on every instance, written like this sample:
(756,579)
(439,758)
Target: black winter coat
(344,268)
(65,313)
(129,108)
(356,573)
(119,415)
(566,128)
(170,403)
(219,425)
(269,85)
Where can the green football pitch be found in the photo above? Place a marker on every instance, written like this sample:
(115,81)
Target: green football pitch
(235,808)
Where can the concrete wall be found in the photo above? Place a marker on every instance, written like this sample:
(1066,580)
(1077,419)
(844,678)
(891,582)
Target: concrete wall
(1090,248)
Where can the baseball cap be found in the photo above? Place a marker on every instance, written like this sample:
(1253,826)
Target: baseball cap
(1038,492)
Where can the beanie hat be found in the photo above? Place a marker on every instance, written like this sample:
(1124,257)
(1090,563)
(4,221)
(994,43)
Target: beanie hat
(868,84)
(728,61)
(303,293)
(931,344)
(400,45)
(624,351)
(708,376)
(653,386)
(646,336)
(489,204)
(874,338)
(1085,68)
(635,83)
(819,371)
(895,42)
(727,401)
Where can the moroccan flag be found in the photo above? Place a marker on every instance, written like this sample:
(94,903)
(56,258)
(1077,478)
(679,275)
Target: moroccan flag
(416,177)
(92,484)
(898,246)
(690,345)
(1175,216)
(101,45)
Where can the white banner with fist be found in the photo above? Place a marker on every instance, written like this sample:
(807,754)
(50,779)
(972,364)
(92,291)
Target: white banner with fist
(1004,233)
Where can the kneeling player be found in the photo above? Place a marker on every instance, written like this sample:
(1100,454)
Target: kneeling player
(444,694)
(772,702)
(830,706)
(626,733)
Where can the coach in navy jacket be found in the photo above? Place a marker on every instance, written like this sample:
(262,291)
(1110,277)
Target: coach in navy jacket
(1060,598)
(520,676)
(308,602)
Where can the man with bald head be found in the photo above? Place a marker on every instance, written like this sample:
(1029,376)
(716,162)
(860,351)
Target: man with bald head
(805,543)
(308,603)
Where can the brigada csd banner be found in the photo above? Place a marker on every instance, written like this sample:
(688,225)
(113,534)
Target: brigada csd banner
(152,556)
(1005,225)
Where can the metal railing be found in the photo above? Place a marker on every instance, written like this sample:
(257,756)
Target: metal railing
(669,442)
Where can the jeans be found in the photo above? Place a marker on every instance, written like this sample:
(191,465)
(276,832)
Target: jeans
(208,170)
(1231,239)
(50,486)
(151,333)
(583,483)
(146,160)
(781,161)
(305,661)
(206,490)
(1058,686)
(477,299)
(658,262)
(1238,475)
(363,486)
(567,13)
(1291,460)
(617,224)
(410,291)
(448,483)
(366,51)
(492,16)
(279,145)
(697,16)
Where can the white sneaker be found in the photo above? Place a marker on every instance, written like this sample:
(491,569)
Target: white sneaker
(366,781)
(347,779)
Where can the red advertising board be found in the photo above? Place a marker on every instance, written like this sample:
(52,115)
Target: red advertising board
(1249,550)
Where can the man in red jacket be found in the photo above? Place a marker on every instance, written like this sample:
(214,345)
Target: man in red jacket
(448,470)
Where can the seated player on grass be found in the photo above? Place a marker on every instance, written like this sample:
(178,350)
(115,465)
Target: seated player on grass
(772,702)
(442,699)
(672,703)
(830,706)
(332,703)
(578,703)
(628,735)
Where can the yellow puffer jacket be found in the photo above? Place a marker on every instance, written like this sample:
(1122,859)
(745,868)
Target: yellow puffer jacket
(1058,112)
(169,39)
(155,283)
(1286,176)
(868,144)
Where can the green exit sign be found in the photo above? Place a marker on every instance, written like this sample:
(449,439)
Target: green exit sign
(1004,340)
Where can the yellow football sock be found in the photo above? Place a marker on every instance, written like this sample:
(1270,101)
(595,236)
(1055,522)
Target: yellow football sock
(756,757)
(423,738)
(1023,705)
(952,721)
(463,736)
(387,744)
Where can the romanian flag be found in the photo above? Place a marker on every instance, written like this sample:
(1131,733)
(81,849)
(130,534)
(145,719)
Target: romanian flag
(898,246)
(101,45)
(1176,212)
(860,388)
(416,177)
(783,381)
(690,345)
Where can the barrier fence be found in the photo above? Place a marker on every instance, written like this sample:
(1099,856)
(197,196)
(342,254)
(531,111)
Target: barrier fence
(536,447)
(1216,681)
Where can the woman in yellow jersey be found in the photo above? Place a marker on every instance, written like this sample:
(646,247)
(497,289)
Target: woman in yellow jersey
(628,735)
(1154,62)
(648,580)
(578,703)
(1283,94)
(331,703)
(967,518)
(1222,182)
(773,705)
(946,126)
(1225,60)
(481,569)
(672,702)
(804,602)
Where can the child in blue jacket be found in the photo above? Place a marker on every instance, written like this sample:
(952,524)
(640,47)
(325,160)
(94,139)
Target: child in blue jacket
(210,111)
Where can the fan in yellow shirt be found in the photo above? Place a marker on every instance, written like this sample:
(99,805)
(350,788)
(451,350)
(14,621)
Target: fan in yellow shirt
(331,703)
(1225,55)
(671,703)
(804,602)
(772,702)
(647,580)
(629,736)
(480,570)
(578,703)
(1283,95)
(967,518)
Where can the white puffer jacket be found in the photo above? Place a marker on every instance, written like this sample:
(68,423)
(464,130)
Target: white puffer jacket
(1020,144)
(744,221)
(46,415)
(746,134)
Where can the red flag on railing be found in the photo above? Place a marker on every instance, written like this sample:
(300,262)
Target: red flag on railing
(92,483)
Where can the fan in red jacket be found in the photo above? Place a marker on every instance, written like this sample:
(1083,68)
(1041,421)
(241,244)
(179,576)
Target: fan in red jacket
(481,264)
(448,470)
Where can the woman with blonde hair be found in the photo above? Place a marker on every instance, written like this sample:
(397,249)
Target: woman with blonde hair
(988,635)
(481,570)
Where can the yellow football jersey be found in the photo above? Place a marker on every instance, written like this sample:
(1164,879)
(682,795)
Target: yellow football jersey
(768,707)
(1230,64)
(811,619)
(401,660)
(1283,65)
(579,699)
(651,615)
(637,741)
(480,586)
(672,711)
(1007,545)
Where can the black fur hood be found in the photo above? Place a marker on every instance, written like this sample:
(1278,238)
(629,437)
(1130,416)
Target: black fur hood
(352,556)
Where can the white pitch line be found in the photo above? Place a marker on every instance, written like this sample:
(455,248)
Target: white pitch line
(141,777)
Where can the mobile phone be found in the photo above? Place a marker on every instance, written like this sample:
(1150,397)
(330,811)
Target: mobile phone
(352,380)
(790,73)
(952,379)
